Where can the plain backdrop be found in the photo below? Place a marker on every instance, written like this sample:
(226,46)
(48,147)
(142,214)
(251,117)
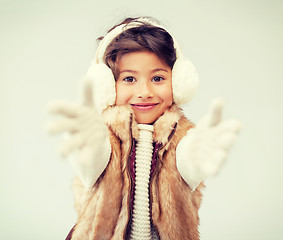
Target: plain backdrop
(46,48)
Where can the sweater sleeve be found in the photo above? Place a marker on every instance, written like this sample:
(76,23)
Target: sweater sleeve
(88,163)
(189,171)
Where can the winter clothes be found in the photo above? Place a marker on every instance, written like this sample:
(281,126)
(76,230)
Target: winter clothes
(104,211)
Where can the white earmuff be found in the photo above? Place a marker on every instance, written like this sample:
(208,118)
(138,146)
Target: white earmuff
(184,75)
(184,81)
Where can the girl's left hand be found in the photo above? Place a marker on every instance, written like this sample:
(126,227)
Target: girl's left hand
(204,149)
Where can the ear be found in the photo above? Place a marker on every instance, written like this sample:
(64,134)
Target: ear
(184,81)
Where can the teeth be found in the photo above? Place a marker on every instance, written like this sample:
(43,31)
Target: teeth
(143,105)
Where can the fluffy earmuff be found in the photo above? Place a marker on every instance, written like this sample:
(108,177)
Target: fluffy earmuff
(184,75)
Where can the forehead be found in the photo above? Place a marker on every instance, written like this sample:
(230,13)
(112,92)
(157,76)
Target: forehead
(141,59)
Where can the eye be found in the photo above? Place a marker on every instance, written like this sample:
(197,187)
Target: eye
(129,79)
(157,79)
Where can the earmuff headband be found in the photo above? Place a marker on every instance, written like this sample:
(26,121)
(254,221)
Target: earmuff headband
(121,28)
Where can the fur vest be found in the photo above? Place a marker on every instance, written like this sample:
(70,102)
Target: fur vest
(104,210)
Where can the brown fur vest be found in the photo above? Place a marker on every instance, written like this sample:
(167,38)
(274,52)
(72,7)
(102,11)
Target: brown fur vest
(103,210)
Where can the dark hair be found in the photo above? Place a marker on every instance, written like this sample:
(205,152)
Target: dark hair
(145,37)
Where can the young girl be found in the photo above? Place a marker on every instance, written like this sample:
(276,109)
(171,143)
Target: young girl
(140,162)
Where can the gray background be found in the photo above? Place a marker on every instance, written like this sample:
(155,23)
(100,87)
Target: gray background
(47,46)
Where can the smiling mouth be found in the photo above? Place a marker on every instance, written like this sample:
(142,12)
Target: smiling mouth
(144,106)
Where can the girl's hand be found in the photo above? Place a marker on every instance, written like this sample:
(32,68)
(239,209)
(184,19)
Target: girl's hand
(87,143)
(204,149)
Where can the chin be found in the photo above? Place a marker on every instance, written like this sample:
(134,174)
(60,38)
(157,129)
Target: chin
(145,120)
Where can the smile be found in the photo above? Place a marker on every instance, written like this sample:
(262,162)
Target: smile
(144,106)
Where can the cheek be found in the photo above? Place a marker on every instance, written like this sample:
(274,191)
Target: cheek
(121,95)
(169,100)
(167,96)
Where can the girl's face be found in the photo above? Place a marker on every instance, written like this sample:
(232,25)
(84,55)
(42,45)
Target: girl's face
(145,83)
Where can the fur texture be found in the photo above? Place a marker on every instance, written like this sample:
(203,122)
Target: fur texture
(103,210)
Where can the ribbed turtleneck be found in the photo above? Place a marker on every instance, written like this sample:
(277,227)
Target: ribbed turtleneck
(141,227)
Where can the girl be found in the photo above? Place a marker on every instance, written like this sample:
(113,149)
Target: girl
(140,162)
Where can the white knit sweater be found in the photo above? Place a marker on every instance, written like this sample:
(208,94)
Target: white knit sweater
(141,226)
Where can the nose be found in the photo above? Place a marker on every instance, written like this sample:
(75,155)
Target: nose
(145,90)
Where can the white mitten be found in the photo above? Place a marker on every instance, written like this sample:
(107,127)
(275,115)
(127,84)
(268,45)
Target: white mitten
(204,149)
(87,143)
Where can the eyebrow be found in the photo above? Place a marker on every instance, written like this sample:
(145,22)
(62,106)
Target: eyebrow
(133,71)
(126,70)
(159,69)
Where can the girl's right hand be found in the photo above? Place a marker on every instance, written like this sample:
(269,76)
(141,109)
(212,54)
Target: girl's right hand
(87,143)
